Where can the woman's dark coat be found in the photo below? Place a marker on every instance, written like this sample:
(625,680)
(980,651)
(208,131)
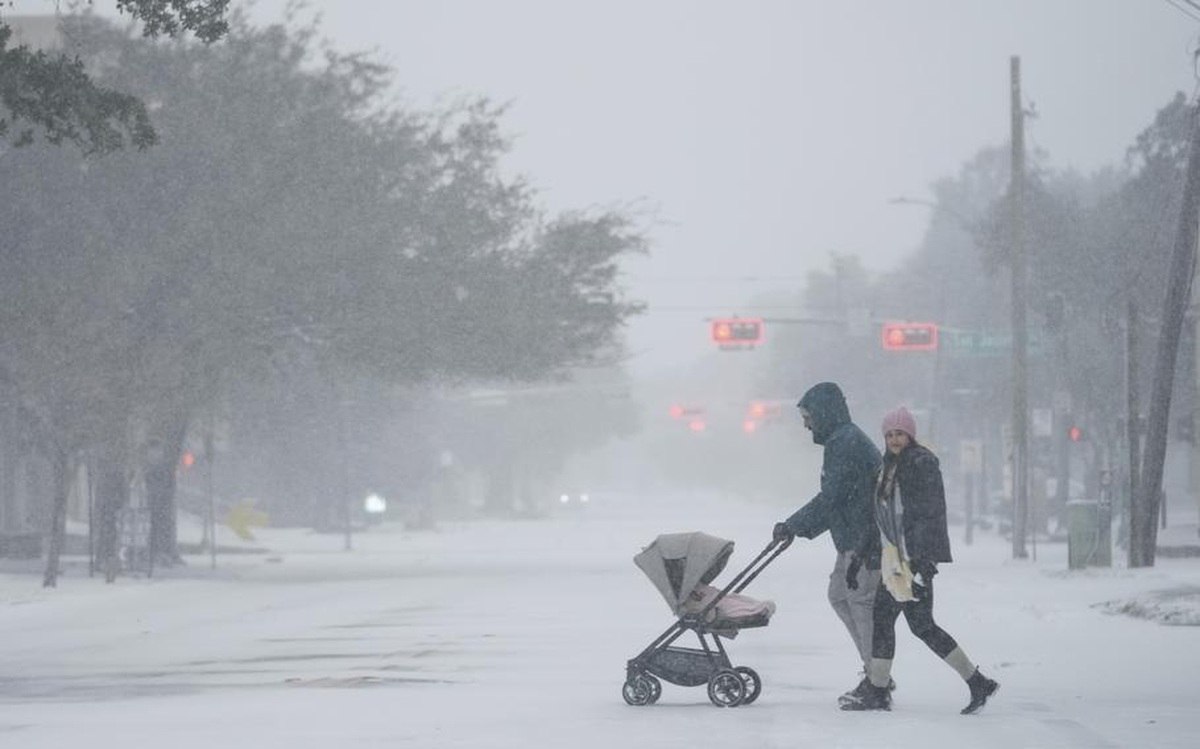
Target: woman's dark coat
(923,496)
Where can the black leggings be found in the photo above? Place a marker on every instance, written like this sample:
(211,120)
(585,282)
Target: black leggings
(918,614)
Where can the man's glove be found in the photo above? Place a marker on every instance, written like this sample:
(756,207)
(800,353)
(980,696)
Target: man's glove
(852,572)
(781,532)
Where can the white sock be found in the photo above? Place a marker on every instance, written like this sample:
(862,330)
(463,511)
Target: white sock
(959,661)
(879,672)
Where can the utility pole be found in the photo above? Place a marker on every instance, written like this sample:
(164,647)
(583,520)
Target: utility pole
(1144,539)
(1020,332)
(210,522)
(1194,447)
(1132,420)
(343,488)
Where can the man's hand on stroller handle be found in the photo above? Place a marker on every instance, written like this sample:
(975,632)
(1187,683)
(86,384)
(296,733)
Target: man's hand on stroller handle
(782,533)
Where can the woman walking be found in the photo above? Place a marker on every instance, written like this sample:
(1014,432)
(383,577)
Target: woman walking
(908,541)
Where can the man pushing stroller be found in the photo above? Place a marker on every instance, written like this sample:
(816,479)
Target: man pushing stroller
(842,507)
(879,518)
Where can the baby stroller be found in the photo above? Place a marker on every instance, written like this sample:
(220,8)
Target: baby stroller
(681,566)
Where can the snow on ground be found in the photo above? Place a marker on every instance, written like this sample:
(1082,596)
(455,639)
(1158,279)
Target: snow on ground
(1179,606)
(515,634)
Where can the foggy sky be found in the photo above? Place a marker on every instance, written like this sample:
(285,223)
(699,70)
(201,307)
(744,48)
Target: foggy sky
(764,135)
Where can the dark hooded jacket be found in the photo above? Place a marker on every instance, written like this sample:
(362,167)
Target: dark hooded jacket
(918,483)
(851,461)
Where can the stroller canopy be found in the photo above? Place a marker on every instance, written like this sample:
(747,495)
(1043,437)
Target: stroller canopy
(678,562)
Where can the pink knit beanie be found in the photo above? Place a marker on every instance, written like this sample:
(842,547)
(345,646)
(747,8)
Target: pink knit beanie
(901,419)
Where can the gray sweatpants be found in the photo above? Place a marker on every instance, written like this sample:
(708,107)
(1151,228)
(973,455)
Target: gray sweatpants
(854,607)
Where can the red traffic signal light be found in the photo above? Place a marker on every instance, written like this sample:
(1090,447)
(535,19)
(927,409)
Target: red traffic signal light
(760,410)
(1075,434)
(911,336)
(678,411)
(737,330)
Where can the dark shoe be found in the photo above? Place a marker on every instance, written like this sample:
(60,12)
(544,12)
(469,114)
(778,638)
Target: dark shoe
(871,698)
(981,688)
(857,692)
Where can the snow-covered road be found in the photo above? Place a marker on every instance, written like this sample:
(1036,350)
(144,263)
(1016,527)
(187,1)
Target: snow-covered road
(515,634)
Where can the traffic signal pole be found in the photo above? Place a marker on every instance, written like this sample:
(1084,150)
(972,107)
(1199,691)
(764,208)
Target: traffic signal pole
(1020,333)
(1132,420)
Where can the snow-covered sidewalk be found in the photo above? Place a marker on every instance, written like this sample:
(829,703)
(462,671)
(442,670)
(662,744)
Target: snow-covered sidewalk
(515,634)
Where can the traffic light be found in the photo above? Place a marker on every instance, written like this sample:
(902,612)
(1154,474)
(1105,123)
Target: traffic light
(692,416)
(731,331)
(911,336)
(760,410)
(1075,433)
(678,411)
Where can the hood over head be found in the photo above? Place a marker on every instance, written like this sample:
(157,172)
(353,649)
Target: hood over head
(827,409)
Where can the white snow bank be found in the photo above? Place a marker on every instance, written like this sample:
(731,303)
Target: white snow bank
(1176,606)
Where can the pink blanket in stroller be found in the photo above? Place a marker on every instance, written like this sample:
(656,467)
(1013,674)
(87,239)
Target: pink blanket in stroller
(734,611)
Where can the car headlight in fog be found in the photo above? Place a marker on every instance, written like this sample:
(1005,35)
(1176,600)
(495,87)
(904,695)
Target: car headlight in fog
(583,497)
(375,504)
(564,498)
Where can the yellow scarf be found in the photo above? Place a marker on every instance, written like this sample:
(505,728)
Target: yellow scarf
(896,575)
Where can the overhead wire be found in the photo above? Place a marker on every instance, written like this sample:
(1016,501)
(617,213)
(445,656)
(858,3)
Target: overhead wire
(1191,9)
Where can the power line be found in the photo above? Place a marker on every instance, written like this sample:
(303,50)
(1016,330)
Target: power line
(652,308)
(1190,9)
(714,279)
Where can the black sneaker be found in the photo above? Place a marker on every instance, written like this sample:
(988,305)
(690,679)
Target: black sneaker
(872,698)
(857,692)
(981,688)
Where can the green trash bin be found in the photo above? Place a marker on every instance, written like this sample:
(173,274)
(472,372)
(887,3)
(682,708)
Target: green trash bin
(1087,543)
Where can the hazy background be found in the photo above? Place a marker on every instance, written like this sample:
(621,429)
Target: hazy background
(757,144)
(762,136)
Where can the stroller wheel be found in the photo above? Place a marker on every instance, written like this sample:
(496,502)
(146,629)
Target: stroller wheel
(752,682)
(655,688)
(726,688)
(638,691)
